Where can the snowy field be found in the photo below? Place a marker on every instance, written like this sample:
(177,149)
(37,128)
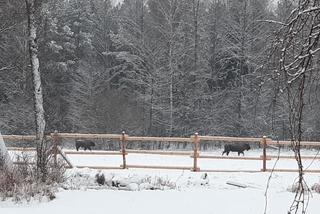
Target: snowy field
(181,191)
(139,159)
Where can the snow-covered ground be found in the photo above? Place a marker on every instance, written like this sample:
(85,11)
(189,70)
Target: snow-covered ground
(179,191)
(138,159)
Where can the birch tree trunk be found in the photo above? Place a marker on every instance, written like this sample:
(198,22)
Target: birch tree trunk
(5,160)
(38,98)
(33,52)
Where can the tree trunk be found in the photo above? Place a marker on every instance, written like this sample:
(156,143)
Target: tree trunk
(5,160)
(151,107)
(33,52)
(242,64)
(171,69)
(38,99)
(195,22)
(171,90)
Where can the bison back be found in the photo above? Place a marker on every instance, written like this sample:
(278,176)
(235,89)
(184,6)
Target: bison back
(237,147)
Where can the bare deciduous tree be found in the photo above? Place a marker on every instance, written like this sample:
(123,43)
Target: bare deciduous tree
(297,45)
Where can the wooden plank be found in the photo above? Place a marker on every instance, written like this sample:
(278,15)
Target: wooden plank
(195,139)
(64,156)
(24,138)
(21,149)
(92,153)
(89,136)
(264,153)
(294,170)
(55,142)
(123,149)
(288,143)
(292,157)
(222,170)
(272,147)
(98,167)
(214,139)
(159,139)
(159,167)
(232,157)
(158,152)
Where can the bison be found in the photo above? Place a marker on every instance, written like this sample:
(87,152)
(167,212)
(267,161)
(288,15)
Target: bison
(239,147)
(85,144)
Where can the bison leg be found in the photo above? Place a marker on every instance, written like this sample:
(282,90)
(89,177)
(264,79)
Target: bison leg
(228,153)
(223,152)
(240,153)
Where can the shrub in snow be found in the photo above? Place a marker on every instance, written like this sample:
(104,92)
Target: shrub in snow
(316,187)
(296,187)
(100,179)
(202,181)
(120,181)
(162,183)
(79,178)
(88,178)
(22,182)
(205,179)
(146,186)
(130,187)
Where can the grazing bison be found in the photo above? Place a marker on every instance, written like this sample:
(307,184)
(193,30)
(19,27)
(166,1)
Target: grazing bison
(239,147)
(85,144)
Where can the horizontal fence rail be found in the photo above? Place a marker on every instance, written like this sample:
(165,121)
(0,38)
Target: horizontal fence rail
(194,140)
(288,143)
(19,137)
(232,157)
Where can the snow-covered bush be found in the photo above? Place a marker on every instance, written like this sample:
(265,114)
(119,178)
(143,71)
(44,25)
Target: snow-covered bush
(202,181)
(296,187)
(316,187)
(90,179)
(21,183)
(100,179)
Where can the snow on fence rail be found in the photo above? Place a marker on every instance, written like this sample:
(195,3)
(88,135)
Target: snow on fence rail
(194,154)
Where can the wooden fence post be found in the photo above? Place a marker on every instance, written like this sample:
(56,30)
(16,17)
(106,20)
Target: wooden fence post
(55,141)
(123,149)
(195,141)
(264,154)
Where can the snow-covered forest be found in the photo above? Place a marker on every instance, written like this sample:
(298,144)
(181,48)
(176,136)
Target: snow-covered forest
(177,69)
(150,67)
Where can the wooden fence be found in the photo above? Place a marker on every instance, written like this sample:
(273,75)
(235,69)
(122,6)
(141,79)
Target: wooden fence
(195,140)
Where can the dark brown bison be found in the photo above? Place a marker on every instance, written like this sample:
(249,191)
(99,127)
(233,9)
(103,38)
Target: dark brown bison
(85,144)
(238,147)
